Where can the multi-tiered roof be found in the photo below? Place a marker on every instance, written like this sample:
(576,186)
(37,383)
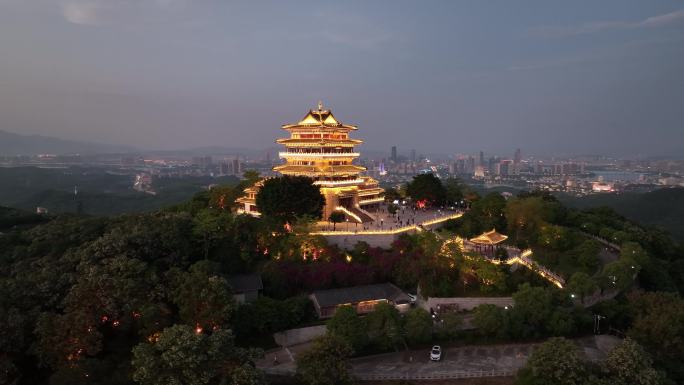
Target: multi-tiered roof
(319,146)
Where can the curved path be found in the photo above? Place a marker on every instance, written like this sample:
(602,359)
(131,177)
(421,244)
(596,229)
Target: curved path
(457,362)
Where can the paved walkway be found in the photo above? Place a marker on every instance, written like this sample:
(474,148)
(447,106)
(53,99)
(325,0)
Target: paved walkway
(383,220)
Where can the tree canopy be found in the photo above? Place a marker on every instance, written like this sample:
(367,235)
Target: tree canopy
(556,361)
(288,197)
(426,188)
(326,362)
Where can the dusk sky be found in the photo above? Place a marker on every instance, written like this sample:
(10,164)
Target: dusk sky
(550,77)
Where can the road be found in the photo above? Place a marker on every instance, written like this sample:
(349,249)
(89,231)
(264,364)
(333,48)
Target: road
(457,362)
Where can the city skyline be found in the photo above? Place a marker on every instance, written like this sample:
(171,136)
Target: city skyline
(567,78)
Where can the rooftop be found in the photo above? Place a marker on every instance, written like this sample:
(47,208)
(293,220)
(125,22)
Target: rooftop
(319,118)
(489,238)
(356,294)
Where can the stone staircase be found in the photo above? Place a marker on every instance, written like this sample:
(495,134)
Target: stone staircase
(356,214)
(361,213)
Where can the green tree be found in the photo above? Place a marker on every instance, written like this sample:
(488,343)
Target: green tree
(449,325)
(533,305)
(251,176)
(488,213)
(326,362)
(490,276)
(619,274)
(427,188)
(204,299)
(659,327)
(347,325)
(418,326)
(628,363)
(633,251)
(561,322)
(384,326)
(65,340)
(587,255)
(489,320)
(554,237)
(9,373)
(247,374)
(581,284)
(392,194)
(556,361)
(210,226)
(180,356)
(525,217)
(286,198)
(336,217)
(454,189)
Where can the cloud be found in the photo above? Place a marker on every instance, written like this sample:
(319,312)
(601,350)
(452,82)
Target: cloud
(81,13)
(359,32)
(99,12)
(663,20)
(667,19)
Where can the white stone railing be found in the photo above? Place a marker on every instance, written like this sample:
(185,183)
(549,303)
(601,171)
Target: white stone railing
(286,154)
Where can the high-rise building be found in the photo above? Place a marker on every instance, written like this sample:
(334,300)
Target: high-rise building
(394,154)
(491,167)
(319,147)
(482,161)
(470,166)
(235,167)
(452,167)
(203,162)
(506,167)
(413,155)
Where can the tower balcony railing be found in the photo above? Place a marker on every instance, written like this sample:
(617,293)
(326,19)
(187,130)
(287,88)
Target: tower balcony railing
(371,200)
(302,155)
(338,183)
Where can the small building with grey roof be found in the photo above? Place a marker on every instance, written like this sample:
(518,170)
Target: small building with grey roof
(245,287)
(362,298)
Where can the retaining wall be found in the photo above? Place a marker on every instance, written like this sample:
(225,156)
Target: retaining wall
(299,336)
(467,303)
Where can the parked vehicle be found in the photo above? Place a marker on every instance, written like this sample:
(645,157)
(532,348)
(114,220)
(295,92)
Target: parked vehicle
(436,353)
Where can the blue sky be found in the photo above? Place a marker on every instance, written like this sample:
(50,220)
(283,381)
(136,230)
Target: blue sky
(551,77)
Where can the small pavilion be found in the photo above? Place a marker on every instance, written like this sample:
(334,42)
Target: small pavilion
(486,242)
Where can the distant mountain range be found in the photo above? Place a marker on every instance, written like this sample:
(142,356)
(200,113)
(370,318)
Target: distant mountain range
(16,144)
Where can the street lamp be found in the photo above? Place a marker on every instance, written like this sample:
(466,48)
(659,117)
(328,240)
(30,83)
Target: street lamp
(597,323)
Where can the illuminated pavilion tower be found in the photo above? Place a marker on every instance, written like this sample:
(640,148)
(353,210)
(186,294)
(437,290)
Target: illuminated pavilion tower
(319,147)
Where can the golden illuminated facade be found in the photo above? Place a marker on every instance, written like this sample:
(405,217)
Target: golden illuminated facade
(319,147)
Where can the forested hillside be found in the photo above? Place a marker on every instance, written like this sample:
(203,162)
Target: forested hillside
(663,208)
(100,192)
(144,298)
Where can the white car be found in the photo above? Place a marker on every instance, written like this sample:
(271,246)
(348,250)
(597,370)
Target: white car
(436,353)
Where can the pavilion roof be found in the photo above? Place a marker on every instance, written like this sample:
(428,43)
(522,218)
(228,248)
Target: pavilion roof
(489,238)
